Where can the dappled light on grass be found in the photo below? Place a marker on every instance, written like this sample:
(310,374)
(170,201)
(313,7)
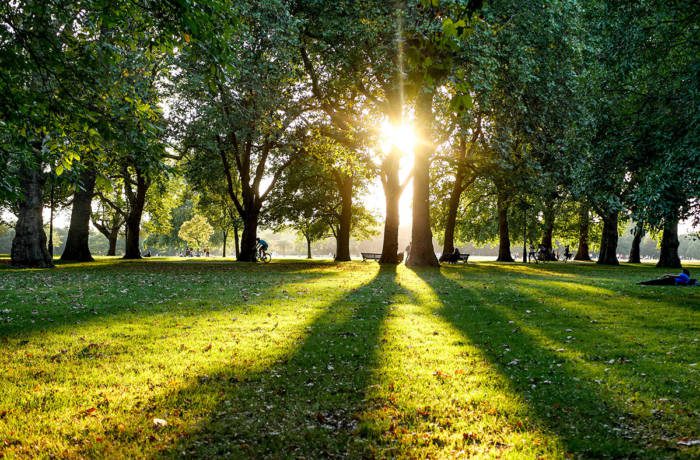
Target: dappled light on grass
(170,358)
(437,395)
(97,382)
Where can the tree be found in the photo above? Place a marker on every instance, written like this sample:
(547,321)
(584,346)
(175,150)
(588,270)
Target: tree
(243,85)
(196,232)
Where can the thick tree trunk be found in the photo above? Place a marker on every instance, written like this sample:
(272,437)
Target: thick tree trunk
(77,248)
(112,251)
(452,207)
(608,244)
(137,202)
(236,241)
(503,232)
(422,250)
(308,247)
(29,244)
(342,250)
(132,248)
(548,227)
(582,252)
(225,235)
(392,195)
(248,243)
(635,253)
(668,257)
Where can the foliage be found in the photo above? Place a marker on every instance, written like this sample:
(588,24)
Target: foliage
(196,231)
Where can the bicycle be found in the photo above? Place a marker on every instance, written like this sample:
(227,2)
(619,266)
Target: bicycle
(264,256)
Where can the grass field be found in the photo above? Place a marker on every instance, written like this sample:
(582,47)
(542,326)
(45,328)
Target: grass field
(169,358)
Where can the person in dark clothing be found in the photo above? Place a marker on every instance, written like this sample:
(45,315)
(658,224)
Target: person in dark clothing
(454,257)
(681,279)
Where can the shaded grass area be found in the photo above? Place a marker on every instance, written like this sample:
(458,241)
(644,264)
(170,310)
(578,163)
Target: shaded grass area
(315,359)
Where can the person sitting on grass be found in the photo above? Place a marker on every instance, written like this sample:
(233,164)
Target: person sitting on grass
(681,279)
(262,247)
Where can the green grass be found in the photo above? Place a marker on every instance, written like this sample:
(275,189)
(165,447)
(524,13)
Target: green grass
(299,359)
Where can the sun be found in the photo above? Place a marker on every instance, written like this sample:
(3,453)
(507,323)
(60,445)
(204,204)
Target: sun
(400,136)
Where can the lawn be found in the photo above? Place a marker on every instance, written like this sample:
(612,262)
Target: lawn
(170,358)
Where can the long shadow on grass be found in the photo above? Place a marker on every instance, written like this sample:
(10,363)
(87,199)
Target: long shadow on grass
(588,421)
(42,301)
(307,405)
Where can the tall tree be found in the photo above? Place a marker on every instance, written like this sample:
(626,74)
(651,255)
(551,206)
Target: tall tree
(243,84)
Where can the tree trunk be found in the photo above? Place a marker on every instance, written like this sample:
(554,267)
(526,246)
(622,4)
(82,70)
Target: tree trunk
(342,251)
(137,202)
(548,227)
(503,232)
(112,238)
(236,241)
(452,207)
(77,248)
(422,251)
(635,253)
(225,235)
(133,234)
(248,243)
(582,252)
(608,244)
(668,257)
(392,195)
(29,244)
(308,247)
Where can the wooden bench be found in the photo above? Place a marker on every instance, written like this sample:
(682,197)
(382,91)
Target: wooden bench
(370,256)
(463,257)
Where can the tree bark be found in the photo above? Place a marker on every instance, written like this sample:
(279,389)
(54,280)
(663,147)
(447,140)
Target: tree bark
(29,244)
(308,247)
(582,253)
(342,253)
(248,243)
(137,202)
(77,248)
(236,240)
(112,238)
(452,207)
(608,244)
(392,195)
(225,235)
(503,232)
(422,250)
(668,257)
(635,253)
(548,227)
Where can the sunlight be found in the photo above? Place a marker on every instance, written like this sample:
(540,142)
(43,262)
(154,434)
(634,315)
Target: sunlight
(401,137)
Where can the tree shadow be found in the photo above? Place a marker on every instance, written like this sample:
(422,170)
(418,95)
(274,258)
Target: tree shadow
(46,300)
(588,417)
(307,404)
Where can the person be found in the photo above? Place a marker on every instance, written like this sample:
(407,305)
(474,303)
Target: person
(454,257)
(262,246)
(532,254)
(567,253)
(681,279)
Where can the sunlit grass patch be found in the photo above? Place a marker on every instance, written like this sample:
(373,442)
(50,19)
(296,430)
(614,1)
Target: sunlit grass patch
(295,359)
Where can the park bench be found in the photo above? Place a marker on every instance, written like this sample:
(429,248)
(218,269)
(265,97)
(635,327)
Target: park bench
(370,256)
(463,257)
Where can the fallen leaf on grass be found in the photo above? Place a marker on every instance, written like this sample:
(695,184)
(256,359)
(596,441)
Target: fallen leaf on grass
(159,423)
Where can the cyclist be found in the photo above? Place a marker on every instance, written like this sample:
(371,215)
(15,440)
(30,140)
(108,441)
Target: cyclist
(261,247)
